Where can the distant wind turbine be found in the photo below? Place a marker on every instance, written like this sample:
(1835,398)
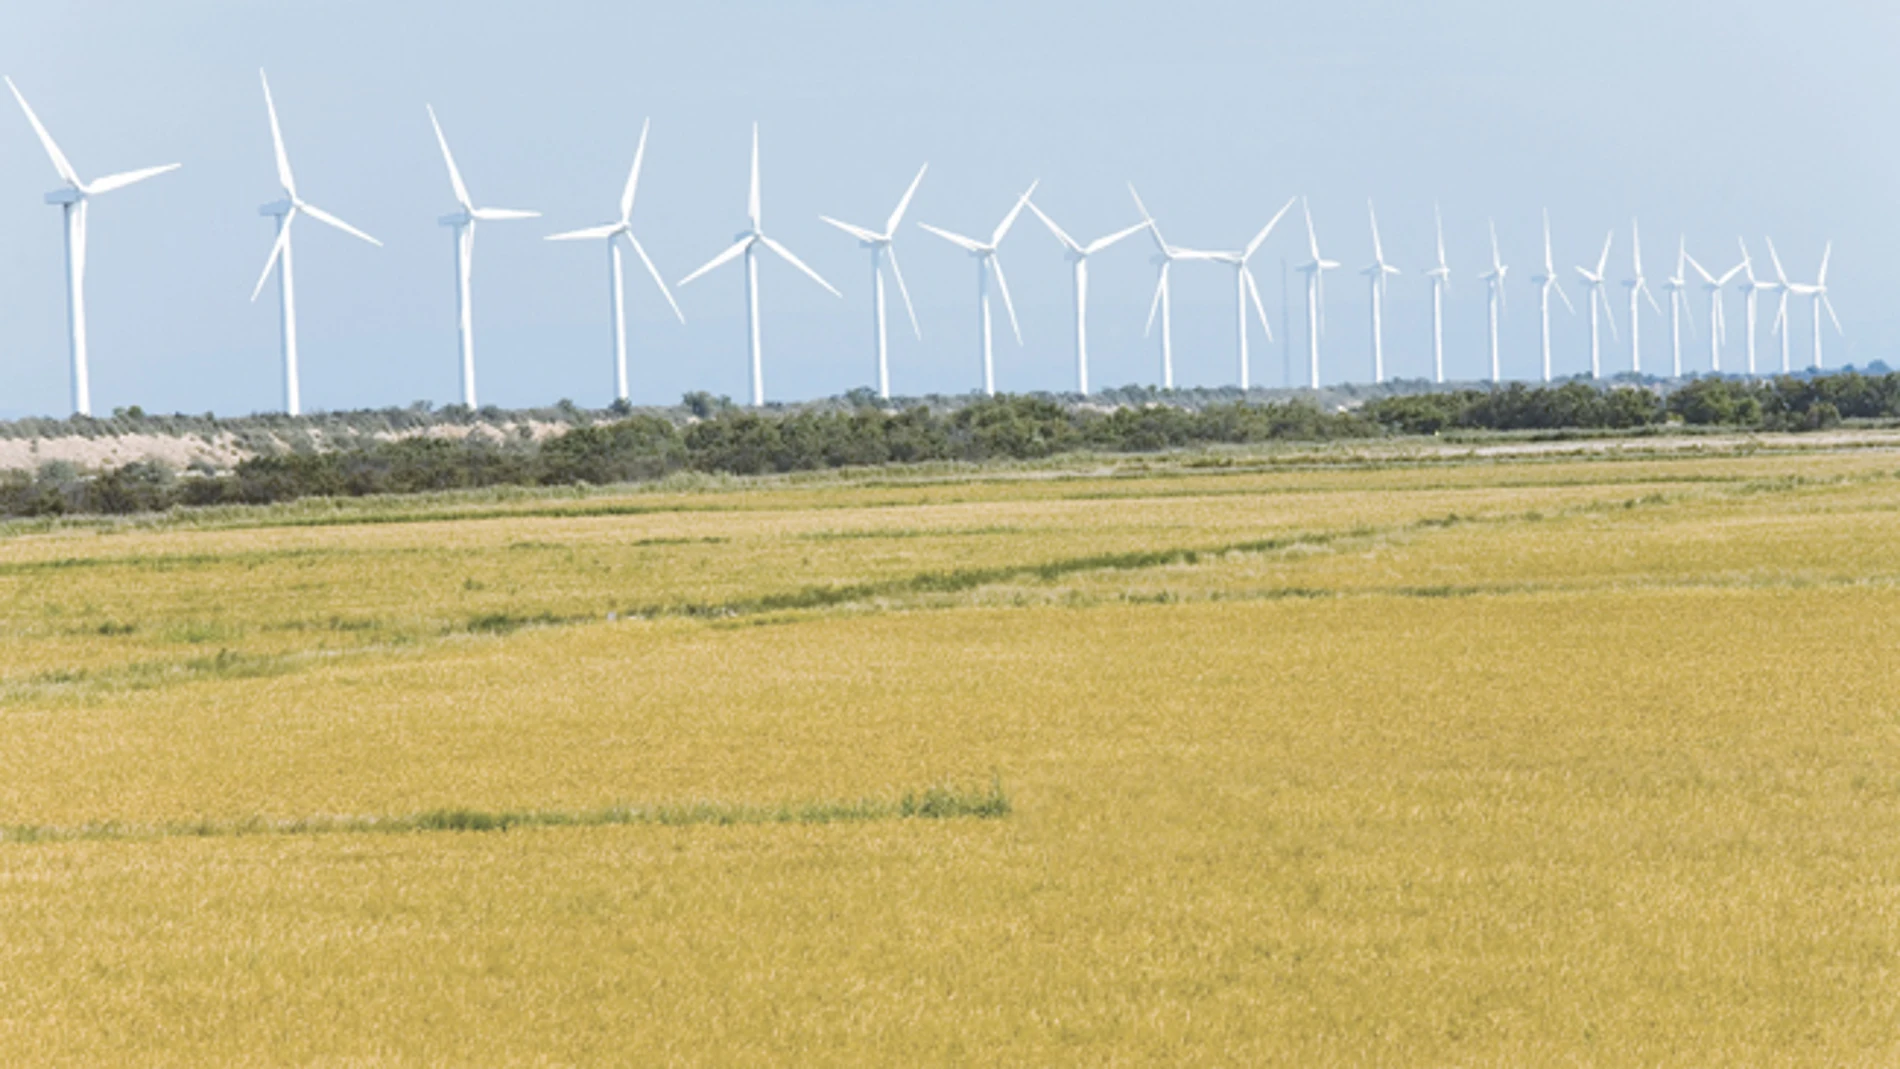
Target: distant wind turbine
(1599,303)
(612,233)
(73,201)
(463,222)
(1165,256)
(1546,282)
(1315,271)
(1752,288)
(285,211)
(1678,287)
(1718,319)
(879,242)
(746,245)
(987,267)
(1638,287)
(1818,291)
(1246,289)
(1079,256)
(1377,272)
(1495,277)
(1441,280)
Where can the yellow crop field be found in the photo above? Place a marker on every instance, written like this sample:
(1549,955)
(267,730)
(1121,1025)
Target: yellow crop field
(1308,758)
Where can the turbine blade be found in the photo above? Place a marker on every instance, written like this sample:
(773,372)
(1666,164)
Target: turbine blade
(732,251)
(1549,264)
(752,198)
(1259,308)
(655,272)
(1636,248)
(490,215)
(1781,315)
(455,173)
(605,230)
(897,216)
(325,217)
(786,255)
(1647,292)
(633,175)
(1559,287)
(1260,238)
(855,231)
(1603,261)
(120,181)
(284,177)
(1061,235)
(1154,305)
(897,273)
(276,250)
(1699,269)
(1438,220)
(1829,305)
(1826,255)
(1102,243)
(1780,275)
(1002,228)
(1497,258)
(1609,313)
(1312,238)
(970,244)
(1378,250)
(60,163)
(1002,284)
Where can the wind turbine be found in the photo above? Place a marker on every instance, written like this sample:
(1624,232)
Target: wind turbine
(285,211)
(1752,289)
(1377,272)
(616,273)
(463,222)
(1545,283)
(1079,256)
(747,244)
(988,266)
(1718,320)
(1599,302)
(1245,289)
(1315,271)
(1818,291)
(1165,256)
(1495,277)
(73,201)
(1441,280)
(1638,287)
(1678,287)
(881,248)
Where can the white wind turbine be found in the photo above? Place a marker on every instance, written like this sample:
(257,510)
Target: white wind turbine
(1315,271)
(1718,319)
(1818,291)
(1441,280)
(463,222)
(881,249)
(1079,256)
(1163,302)
(987,267)
(1599,303)
(285,211)
(1495,277)
(612,233)
(1377,272)
(73,201)
(1638,287)
(1752,289)
(746,245)
(1546,282)
(1678,287)
(1245,289)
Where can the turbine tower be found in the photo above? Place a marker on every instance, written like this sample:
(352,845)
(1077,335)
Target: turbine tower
(1441,280)
(616,273)
(1718,320)
(1165,256)
(988,266)
(1377,272)
(1315,271)
(1678,287)
(747,245)
(1818,291)
(73,200)
(1079,256)
(1546,282)
(463,223)
(1495,277)
(1781,314)
(285,211)
(1245,289)
(1638,287)
(1752,289)
(879,242)
(1599,303)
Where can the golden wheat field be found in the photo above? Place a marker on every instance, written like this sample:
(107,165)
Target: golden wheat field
(1281,758)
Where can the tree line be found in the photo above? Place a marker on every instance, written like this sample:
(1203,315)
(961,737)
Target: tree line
(712,436)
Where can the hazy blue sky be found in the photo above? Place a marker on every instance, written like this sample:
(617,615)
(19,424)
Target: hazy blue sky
(1718,120)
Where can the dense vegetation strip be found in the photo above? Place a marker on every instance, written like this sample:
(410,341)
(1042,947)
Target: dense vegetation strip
(988,802)
(730,441)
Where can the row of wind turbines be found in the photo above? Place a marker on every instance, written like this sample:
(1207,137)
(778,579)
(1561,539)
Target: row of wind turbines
(618,237)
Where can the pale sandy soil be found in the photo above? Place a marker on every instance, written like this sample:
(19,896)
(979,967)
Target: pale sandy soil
(220,451)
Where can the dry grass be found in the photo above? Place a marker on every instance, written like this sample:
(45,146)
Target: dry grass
(1499,763)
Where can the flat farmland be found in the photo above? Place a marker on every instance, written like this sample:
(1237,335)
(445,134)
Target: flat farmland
(1303,759)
